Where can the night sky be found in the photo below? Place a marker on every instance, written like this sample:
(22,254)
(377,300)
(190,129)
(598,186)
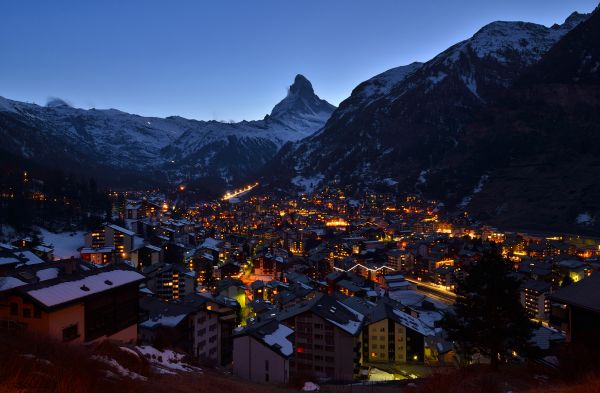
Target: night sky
(229,60)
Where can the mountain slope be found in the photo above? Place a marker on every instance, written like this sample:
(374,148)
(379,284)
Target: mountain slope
(399,125)
(539,143)
(111,142)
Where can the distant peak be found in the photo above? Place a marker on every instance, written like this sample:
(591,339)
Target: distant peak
(301,86)
(55,102)
(574,19)
(301,99)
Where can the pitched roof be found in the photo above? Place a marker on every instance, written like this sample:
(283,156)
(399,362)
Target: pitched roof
(121,229)
(331,310)
(67,288)
(584,293)
(390,309)
(164,313)
(273,334)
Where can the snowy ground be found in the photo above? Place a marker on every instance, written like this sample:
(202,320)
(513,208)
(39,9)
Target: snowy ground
(167,361)
(66,244)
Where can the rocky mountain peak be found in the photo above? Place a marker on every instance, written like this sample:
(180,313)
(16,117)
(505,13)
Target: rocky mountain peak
(301,100)
(574,19)
(301,86)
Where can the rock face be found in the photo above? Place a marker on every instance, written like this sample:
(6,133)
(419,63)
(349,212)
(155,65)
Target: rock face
(492,125)
(111,143)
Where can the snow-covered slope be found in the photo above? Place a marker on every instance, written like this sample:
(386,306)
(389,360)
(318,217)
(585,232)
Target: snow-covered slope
(180,148)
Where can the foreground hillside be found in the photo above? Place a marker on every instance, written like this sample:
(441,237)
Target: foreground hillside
(28,364)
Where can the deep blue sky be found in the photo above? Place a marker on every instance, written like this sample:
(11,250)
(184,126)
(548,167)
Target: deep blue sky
(229,59)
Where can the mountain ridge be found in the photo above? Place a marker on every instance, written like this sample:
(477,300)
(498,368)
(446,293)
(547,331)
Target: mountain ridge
(177,148)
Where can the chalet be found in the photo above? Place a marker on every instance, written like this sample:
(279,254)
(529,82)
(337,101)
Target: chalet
(535,297)
(74,301)
(261,352)
(111,235)
(170,281)
(572,268)
(446,276)
(228,269)
(326,339)
(399,260)
(167,324)
(293,294)
(99,255)
(42,250)
(262,308)
(234,289)
(391,336)
(135,210)
(396,282)
(268,266)
(8,261)
(213,322)
(146,255)
(576,309)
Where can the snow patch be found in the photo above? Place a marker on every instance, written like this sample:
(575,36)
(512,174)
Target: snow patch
(279,337)
(585,219)
(122,371)
(307,184)
(6,106)
(167,359)
(7,283)
(435,79)
(310,387)
(47,274)
(66,244)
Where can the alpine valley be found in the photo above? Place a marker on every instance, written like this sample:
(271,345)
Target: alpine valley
(503,125)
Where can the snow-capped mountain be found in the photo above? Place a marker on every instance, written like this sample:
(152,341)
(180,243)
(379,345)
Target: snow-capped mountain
(115,141)
(398,125)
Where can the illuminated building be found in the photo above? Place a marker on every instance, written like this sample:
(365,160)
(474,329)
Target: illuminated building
(535,299)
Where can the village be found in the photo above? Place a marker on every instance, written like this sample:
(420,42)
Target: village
(317,287)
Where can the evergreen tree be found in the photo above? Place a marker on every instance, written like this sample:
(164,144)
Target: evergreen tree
(488,317)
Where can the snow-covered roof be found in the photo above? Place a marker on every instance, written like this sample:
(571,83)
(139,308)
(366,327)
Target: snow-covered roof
(352,326)
(8,260)
(280,338)
(7,283)
(99,250)
(164,320)
(273,334)
(153,248)
(399,284)
(47,274)
(65,292)
(543,337)
(331,310)
(413,323)
(121,229)
(210,243)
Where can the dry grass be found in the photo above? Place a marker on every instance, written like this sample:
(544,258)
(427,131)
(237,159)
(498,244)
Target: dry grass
(31,364)
(36,364)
